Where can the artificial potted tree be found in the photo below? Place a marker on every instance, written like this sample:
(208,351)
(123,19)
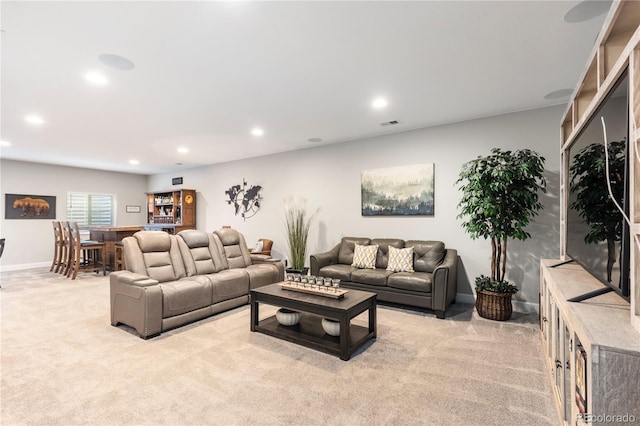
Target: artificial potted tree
(297,223)
(499,198)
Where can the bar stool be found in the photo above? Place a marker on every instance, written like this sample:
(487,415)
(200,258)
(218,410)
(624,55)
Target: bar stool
(86,255)
(66,252)
(57,247)
(119,261)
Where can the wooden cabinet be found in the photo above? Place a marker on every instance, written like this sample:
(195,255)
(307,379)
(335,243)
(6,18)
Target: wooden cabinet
(616,50)
(592,350)
(171,211)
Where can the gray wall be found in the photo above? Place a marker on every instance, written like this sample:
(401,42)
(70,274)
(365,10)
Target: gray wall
(30,242)
(329,178)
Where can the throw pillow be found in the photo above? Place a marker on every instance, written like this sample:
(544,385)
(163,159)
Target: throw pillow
(364,257)
(400,260)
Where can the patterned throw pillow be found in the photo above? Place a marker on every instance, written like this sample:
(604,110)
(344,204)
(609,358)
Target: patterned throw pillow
(400,260)
(364,257)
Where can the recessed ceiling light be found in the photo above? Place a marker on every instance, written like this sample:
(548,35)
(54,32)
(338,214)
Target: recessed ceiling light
(96,78)
(314,140)
(36,120)
(586,10)
(134,162)
(183,150)
(559,94)
(115,61)
(257,132)
(5,143)
(379,103)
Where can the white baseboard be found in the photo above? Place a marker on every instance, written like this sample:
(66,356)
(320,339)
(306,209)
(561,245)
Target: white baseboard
(518,305)
(24,266)
(468,299)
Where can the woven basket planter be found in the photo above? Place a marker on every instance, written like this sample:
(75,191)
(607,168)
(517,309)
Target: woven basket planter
(494,306)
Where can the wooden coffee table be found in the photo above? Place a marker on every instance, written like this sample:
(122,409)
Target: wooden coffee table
(313,308)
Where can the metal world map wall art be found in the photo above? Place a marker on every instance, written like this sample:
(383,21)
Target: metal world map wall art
(246,201)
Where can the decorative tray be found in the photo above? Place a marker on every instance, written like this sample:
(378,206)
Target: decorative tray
(334,293)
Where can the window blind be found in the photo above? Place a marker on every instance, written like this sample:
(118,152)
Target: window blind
(90,209)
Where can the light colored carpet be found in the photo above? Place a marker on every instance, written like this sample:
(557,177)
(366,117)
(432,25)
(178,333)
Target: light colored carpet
(64,364)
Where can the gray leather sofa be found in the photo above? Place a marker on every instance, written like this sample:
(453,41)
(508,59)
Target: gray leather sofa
(433,285)
(172,280)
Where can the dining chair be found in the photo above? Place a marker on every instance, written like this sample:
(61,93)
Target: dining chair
(57,246)
(266,247)
(87,255)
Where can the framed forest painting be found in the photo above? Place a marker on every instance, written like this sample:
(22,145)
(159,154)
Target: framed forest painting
(398,191)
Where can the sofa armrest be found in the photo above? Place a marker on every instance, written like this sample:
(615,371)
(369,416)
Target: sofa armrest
(132,278)
(260,258)
(445,282)
(257,259)
(320,260)
(136,300)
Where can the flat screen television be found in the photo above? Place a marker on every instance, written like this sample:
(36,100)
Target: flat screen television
(596,231)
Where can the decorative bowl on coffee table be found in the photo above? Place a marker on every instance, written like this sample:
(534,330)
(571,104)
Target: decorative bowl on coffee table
(331,327)
(287,317)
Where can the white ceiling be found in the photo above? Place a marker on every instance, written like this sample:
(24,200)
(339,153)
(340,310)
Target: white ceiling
(206,73)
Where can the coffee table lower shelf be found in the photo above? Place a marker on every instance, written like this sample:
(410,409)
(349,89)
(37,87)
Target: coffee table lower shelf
(309,332)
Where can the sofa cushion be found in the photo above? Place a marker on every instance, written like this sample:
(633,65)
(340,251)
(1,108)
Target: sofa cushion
(262,274)
(194,238)
(414,281)
(228,236)
(229,284)
(195,247)
(153,241)
(382,258)
(339,271)
(233,247)
(377,277)
(400,260)
(365,256)
(155,254)
(185,295)
(428,255)
(347,246)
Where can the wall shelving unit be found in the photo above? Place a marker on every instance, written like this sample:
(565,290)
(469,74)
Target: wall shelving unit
(593,347)
(171,211)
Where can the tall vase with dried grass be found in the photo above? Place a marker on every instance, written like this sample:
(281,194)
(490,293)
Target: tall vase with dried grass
(298,223)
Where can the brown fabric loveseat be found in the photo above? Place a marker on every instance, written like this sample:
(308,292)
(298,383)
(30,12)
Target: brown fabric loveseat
(172,280)
(432,285)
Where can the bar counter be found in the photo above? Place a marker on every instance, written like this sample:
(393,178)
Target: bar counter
(110,235)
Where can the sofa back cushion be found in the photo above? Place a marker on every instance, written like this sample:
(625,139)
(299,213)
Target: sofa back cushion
(347,246)
(199,252)
(155,254)
(382,260)
(428,255)
(233,248)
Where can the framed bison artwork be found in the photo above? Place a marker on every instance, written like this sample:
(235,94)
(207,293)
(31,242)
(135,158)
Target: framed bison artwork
(20,206)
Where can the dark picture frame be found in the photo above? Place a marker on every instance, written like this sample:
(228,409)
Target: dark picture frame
(27,206)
